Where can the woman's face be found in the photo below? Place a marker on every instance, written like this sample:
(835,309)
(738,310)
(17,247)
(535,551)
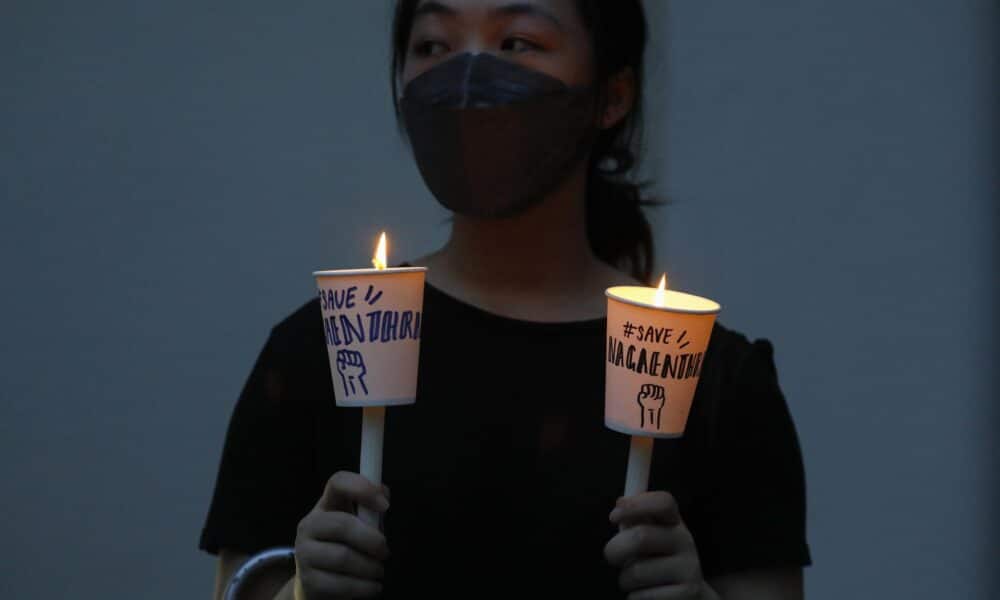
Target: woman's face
(545,35)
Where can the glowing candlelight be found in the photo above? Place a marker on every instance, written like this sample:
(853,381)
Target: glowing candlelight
(660,297)
(379,260)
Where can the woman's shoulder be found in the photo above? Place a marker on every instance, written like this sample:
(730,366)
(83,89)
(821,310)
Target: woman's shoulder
(735,353)
(299,330)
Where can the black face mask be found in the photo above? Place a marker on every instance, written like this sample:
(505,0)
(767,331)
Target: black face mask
(492,138)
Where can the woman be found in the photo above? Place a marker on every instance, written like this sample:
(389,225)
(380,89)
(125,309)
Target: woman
(522,117)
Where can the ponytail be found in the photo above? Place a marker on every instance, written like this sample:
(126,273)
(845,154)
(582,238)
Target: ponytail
(617,229)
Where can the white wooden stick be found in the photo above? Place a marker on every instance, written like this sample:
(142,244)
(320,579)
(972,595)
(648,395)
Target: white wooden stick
(372,431)
(640,455)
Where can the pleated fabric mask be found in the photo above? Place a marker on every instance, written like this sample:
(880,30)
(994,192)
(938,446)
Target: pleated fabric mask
(492,138)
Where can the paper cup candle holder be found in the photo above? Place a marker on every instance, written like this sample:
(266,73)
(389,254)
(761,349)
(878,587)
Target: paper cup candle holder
(656,342)
(372,324)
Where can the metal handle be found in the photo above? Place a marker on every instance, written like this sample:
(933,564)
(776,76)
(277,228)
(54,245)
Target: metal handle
(266,558)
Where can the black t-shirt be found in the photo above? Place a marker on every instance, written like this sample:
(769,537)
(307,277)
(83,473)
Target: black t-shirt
(503,473)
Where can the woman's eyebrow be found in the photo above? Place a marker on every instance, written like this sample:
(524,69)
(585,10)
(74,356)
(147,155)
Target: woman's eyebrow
(519,8)
(523,8)
(433,8)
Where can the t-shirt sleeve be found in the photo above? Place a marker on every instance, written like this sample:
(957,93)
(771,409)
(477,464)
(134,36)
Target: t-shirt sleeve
(253,506)
(755,510)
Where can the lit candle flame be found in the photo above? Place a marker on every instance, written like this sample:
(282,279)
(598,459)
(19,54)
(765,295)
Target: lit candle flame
(660,297)
(379,260)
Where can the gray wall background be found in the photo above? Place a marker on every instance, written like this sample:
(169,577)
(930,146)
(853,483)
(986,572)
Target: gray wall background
(171,172)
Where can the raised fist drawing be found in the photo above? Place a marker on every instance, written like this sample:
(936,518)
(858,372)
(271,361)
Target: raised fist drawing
(351,366)
(651,399)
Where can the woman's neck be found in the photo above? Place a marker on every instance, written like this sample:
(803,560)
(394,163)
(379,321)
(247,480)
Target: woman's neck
(537,265)
(543,248)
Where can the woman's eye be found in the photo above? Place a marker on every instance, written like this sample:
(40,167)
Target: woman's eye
(517,44)
(429,48)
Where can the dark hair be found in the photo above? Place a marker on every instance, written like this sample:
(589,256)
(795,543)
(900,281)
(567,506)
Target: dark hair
(618,231)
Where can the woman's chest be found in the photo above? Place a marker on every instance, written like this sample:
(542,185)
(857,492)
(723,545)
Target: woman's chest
(510,429)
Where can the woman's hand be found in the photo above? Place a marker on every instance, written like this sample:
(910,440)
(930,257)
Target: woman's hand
(654,550)
(336,554)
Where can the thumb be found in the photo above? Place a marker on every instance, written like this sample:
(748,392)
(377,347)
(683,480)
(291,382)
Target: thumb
(345,489)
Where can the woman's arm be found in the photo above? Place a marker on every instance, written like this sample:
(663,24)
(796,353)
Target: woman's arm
(760,584)
(227,564)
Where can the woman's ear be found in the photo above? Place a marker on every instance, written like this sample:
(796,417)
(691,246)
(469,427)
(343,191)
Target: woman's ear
(620,97)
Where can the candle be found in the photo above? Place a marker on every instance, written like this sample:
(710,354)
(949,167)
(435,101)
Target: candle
(372,321)
(656,342)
